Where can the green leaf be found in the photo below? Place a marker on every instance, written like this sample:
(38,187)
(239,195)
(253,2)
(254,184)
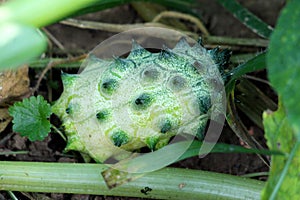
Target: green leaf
(282,127)
(19,44)
(38,14)
(284,181)
(194,149)
(31,117)
(247,18)
(181,5)
(254,64)
(283,62)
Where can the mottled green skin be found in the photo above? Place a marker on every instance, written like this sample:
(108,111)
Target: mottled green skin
(143,100)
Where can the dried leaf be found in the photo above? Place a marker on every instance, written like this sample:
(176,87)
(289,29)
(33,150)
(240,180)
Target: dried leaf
(14,84)
(5,118)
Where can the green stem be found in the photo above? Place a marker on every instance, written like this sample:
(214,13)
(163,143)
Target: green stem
(12,195)
(256,174)
(59,132)
(168,183)
(220,40)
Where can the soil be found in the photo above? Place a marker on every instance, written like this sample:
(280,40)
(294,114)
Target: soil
(217,20)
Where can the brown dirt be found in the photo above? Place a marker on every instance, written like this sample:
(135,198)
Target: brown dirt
(217,20)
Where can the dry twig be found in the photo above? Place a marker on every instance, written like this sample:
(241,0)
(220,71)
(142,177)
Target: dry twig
(178,15)
(52,64)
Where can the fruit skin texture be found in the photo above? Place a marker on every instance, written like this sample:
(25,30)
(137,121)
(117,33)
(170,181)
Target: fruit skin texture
(114,107)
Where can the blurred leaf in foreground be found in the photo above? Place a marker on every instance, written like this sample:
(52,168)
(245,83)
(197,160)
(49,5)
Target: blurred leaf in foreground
(283,62)
(31,118)
(19,44)
(282,127)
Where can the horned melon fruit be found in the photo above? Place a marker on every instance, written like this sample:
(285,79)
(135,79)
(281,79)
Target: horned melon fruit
(139,101)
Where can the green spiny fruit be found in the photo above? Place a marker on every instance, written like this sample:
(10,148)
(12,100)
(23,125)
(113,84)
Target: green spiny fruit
(143,100)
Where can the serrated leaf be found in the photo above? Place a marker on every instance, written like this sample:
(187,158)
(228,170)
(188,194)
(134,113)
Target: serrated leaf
(280,136)
(31,118)
(283,62)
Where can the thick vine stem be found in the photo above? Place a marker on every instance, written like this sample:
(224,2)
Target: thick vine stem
(168,183)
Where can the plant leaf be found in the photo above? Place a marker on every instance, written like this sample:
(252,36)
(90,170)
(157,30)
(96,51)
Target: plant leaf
(256,63)
(283,62)
(31,117)
(38,14)
(193,150)
(181,5)
(282,127)
(19,44)
(247,18)
(48,12)
(284,181)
